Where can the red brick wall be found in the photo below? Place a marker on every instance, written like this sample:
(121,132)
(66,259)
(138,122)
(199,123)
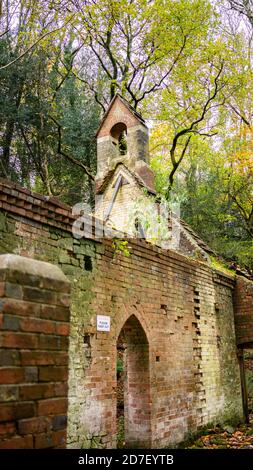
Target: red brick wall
(185,310)
(243,299)
(34,324)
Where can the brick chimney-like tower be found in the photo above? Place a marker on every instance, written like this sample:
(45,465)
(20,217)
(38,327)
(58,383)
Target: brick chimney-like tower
(122,138)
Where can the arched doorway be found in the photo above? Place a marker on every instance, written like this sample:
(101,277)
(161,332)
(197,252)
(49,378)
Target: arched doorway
(133,385)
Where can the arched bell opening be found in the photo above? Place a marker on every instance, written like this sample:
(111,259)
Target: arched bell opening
(118,135)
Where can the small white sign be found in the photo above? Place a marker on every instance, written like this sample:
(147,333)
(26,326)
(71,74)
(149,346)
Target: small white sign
(103,323)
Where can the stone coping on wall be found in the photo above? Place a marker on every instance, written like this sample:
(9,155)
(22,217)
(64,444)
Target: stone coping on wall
(12,262)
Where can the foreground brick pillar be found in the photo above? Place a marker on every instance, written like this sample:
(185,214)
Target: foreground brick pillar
(34,324)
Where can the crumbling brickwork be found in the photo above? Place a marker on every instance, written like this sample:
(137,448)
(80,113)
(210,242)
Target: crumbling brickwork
(243,297)
(182,307)
(34,324)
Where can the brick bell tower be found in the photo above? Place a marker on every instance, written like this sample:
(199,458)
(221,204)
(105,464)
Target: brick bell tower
(122,138)
(123,170)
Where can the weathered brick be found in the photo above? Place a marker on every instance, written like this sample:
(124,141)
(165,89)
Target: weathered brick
(61,389)
(44,441)
(13,291)
(53,374)
(14,411)
(7,429)
(17,443)
(59,422)
(55,313)
(44,358)
(52,406)
(55,285)
(31,374)
(37,325)
(62,329)
(8,392)
(20,307)
(36,391)
(243,301)
(11,375)
(63,300)
(33,294)
(59,438)
(34,425)
(23,278)
(19,340)
(53,342)
(9,357)
(191,347)
(10,322)
(2,288)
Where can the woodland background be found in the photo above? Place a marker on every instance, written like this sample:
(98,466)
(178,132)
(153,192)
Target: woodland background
(185,65)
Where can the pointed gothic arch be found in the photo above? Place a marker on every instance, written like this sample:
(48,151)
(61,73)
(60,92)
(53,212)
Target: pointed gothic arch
(132,340)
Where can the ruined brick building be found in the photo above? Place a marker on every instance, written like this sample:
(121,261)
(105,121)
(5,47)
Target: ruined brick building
(182,325)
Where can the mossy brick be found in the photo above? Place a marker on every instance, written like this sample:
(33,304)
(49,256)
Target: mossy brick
(80,249)
(9,393)
(72,271)
(64,259)
(100,248)
(3,224)
(13,291)
(54,236)
(75,262)
(66,243)
(10,227)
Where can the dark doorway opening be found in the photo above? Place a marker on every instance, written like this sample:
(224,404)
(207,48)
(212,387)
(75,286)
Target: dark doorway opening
(133,387)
